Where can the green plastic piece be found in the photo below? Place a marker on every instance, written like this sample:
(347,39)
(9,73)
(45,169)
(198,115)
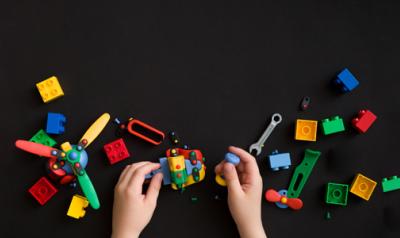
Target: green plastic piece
(336,194)
(390,184)
(328,216)
(332,125)
(41,137)
(88,190)
(302,172)
(194,199)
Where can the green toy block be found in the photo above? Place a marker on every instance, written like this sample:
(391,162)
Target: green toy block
(302,172)
(336,194)
(332,125)
(390,184)
(41,137)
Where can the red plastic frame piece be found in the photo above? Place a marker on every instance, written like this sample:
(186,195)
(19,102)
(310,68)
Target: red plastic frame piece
(42,190)
(147,127)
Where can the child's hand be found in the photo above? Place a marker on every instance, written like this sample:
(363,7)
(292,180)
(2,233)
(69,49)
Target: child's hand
(244,193)
(133,210)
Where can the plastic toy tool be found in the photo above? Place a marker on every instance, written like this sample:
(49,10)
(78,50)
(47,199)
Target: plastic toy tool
(229,158)
(302,172)
(68,164)
(142,130)
(281,200)
(257,147)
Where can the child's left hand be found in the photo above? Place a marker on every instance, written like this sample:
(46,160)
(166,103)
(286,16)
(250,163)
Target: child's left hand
(133,210)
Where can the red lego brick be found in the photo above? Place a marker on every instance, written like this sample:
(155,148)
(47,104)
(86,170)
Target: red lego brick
(116,151)
(42,190)
(363,121)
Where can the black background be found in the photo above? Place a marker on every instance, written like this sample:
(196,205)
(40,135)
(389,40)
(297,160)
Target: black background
(214,71)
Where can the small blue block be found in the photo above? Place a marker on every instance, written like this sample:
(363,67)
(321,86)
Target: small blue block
(55,123)
(232,158)
(279,161)
(346,80)
(189,166)
(165,171)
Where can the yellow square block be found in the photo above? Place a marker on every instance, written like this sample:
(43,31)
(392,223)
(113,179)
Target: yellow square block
(306,130)
(77,207)
(50,89)
(362,186)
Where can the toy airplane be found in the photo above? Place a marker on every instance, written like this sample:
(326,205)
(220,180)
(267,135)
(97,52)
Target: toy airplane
(69,164)
(181,168)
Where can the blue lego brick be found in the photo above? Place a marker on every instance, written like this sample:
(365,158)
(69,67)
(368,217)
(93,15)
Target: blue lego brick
(189,166)
(165,171)
(55,123)
(279,161)
(346,80)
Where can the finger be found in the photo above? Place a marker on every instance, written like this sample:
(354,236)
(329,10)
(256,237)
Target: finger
(247,161)
(219,167)
(232,179)
(137,179)
(123,174)
(154,188)
(127,174)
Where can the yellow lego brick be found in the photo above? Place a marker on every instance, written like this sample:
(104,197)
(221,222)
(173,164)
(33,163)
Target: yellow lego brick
(362,186)
(306,130)
(66,146)
(77,207)
(50,89)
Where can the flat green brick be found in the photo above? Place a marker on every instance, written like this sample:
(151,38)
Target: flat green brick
(332,125)
(41,137)
(390,184)
(336,194)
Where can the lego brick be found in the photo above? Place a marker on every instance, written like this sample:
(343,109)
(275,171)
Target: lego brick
(116,151)
(55,123)
(42,190)
(336,194)
(77,207)
(346,81)
(362,187)
(363,121)
(306,130)
(390,184)
(50,89)
(332,125)
(41,137)
(279,161)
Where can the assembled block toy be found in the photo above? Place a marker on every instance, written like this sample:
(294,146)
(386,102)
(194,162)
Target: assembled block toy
(55,123)
(346,81)
(390,184)
(50,89)
(306,130)
(42,138)
(42,190)
(362,187)
(181,168)
(336,194)
(229,158)
(332,125)
(116,151)
(363,121)
(77,207)
(279,161)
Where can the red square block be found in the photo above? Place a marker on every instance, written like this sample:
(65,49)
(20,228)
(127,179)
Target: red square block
(116,151)
(363,121)
(43,190)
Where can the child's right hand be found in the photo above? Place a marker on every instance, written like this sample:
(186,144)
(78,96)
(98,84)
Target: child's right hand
(244,184)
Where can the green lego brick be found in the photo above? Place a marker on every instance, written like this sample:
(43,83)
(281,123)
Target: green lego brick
(332,125)
(390,184)
(336,194)
(41,137)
